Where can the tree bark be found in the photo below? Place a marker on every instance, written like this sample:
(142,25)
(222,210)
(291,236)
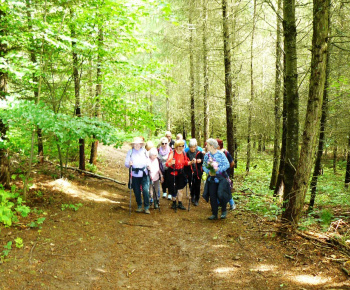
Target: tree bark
(191,48)
(94,145)
(292,113)
(76,79)
(321,140)
(205,72)
(277,98)
(314,106)
(250,105)
(4,158)
(228,79)
(347,173)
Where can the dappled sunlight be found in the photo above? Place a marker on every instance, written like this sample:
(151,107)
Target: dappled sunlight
(264,268)
(309,279)
(225,270)
(220,246)
(73,190)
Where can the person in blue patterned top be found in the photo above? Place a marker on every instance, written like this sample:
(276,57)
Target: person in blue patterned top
(216,181)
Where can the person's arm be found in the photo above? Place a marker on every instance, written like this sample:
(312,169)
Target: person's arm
(128,159)
(168,163)
(223,163)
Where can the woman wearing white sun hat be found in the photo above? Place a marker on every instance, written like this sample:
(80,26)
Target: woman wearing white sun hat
(137,158)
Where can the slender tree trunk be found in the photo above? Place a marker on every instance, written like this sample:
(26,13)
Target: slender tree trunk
(314,106)
(93,156)
(321,140)
(168,121)
(335,157)
(4,158)
(228,79)
(191,48)
(250,105)
(292,114)
(347,173)
(76,78)
(205,72)
(277,97)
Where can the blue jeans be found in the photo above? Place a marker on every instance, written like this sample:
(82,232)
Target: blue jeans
(137,182)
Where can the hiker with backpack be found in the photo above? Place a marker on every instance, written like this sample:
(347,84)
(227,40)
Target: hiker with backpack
(230,169)
(195,176)
(176,163)
(163,154)
(156,176)
(138,161)
(171,142)
(217,186)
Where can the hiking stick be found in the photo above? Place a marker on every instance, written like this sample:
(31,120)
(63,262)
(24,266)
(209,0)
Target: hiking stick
(189,198)
(130,189)
(175,191)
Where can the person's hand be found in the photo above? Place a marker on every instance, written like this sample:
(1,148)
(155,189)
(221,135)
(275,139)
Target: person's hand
(162,179)
(130,163)
(199,160)
(173,161)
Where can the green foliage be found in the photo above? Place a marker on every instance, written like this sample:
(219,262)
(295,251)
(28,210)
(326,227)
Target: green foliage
(11,204)
(19,242)
(37,223)
(74,207)
(7,250)
(91,167)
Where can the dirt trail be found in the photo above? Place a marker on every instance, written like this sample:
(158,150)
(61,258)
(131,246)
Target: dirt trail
(101,246)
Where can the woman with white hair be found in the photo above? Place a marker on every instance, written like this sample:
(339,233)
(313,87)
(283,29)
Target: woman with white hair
(163,154)
(217,187)
(195,176)
(156,176)
(137,158)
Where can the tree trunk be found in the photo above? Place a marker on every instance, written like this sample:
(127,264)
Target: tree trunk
(205,73)
(314,106)
(4,158)
(250,105)
(292,133)
(347,173)
(76,79)
(192,94)
(94,145)
(321,140)
(277,97)
(335,157)
(228,80)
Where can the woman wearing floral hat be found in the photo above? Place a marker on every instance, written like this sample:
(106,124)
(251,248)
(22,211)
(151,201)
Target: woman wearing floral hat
(138,160)
(217,187)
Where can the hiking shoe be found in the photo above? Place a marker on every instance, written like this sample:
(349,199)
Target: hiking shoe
(232,207)
(164,195)
(195,203)
(213,217)
(147,211)
(156,205)
(180,206)
(173,206)
(223,215)
(139,209)
(169,196)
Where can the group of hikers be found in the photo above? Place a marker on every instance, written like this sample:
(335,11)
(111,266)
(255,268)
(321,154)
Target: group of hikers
(174,164)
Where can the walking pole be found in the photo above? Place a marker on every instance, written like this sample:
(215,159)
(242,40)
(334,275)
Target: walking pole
(130,189)
(189,198)
(175,191)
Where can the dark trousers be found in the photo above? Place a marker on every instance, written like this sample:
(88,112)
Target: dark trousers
(195,187)
(213,193)
(136,186)
(165,183)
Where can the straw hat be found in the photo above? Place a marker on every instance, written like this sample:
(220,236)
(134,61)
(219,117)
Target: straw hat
(138,140)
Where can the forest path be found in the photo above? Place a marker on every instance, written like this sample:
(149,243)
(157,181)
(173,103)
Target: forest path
(101,246)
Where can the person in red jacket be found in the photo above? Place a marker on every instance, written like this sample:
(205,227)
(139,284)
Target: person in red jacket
(177,179)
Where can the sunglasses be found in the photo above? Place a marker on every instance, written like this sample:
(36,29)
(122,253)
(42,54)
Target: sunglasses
(181,145)
(164,143)
(168,136)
